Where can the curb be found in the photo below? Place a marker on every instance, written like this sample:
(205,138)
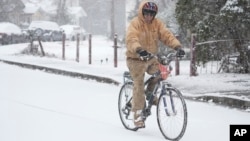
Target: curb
(63,72)
(224,101)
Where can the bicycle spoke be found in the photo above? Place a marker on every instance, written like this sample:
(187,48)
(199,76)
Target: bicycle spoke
(172,115)
(124,107)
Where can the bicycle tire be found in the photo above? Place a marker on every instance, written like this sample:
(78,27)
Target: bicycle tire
(172,123)
(125,95)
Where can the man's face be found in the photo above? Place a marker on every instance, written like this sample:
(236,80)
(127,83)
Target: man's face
(148,16)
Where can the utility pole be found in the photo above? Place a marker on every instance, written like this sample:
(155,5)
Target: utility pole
(112,19)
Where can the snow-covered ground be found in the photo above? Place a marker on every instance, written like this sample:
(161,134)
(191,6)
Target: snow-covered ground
(39,106)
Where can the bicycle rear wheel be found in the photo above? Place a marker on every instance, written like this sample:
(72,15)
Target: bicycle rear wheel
(124,106)
(172,114)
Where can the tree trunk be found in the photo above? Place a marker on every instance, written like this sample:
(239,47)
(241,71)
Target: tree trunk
(112,19)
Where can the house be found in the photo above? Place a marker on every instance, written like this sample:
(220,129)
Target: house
(76,13)
(47,11)
(36,12)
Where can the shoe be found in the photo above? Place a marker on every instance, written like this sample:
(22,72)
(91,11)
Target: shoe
(138,121)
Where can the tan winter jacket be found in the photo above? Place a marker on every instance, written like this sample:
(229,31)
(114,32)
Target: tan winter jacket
(147,36)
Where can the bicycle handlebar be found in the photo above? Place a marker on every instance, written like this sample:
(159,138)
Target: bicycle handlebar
(164,59)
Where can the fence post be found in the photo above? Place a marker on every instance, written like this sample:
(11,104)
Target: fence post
(193,56)
(77,48)
(41,46)
(115,51)
(63,46)
(90,48)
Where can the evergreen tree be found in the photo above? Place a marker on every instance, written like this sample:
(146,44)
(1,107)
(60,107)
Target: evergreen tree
(9,9)
(216,20)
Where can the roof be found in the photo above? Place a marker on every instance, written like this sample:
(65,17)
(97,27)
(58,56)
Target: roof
(77,11)
(32,7)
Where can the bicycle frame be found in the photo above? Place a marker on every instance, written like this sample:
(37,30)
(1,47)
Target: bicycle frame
(127,78)
(147,110)
(171,106)
(164,86)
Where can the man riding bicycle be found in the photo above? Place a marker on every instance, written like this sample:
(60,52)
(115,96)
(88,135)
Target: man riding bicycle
(142,37)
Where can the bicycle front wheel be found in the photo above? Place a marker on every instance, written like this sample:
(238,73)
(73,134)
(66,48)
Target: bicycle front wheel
(125,105)
(172,114)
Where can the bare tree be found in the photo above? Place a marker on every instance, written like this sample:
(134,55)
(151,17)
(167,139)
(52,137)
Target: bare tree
(62,15)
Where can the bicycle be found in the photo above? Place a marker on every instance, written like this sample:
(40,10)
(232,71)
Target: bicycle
(171,108)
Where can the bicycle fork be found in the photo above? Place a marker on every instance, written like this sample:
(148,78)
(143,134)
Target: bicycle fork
(147,109)
(163,92)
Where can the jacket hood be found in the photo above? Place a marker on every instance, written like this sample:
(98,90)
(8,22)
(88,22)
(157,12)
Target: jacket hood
(140,15)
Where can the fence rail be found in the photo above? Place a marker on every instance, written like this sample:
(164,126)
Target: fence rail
(219,56)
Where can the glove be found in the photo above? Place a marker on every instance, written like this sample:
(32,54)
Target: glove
(180,52)
(143,54)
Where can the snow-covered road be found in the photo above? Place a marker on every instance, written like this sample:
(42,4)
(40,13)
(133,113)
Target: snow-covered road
(38,106)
